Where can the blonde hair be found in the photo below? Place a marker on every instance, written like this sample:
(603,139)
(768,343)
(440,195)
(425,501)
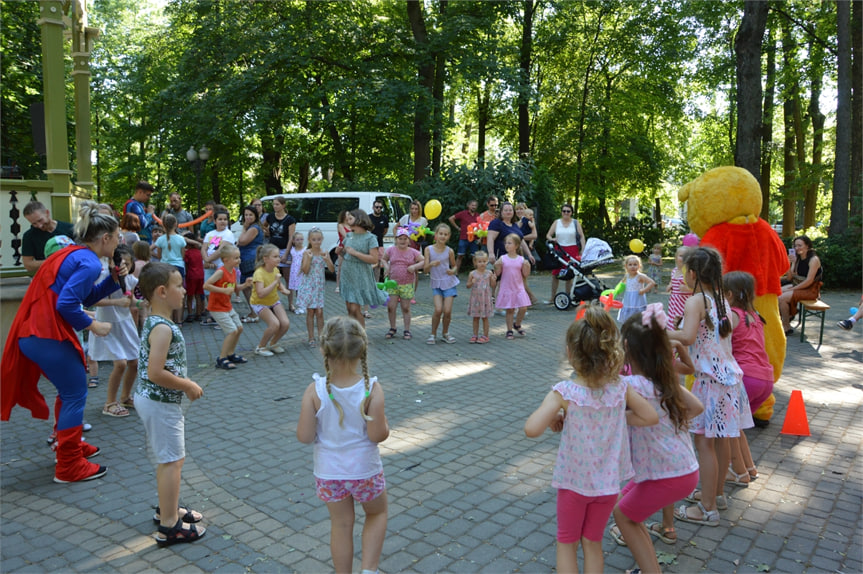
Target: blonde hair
(262,252)
(92,222)
(594,347)
(170,223)
(442,225)
(344,339)
(516,238)
(227,248)
(313,231)
(629,258)
(480,254)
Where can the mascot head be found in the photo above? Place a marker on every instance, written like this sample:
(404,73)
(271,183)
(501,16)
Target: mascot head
(721,195)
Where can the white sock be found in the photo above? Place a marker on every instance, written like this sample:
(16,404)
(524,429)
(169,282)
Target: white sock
(852,319)
(370,572)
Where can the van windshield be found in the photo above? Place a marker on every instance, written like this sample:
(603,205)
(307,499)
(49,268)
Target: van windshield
(398,207)
(320,209)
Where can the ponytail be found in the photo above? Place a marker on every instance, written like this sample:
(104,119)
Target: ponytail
(92,222)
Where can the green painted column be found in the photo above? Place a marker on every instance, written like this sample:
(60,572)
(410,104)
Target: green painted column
(82,44)
(53,87)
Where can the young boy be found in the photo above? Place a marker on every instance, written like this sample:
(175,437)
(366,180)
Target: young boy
(221,285)
(162,382)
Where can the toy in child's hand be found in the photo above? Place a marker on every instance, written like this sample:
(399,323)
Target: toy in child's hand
(620,289)
(432,209)
(636,245)
(608,302)
(387,284)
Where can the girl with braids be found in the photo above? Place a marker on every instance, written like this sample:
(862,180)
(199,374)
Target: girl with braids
(42,339)
(718,382)
(593,456)
(666,469)
(343,414)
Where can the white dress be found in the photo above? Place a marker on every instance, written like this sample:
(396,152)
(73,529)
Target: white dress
(122,343)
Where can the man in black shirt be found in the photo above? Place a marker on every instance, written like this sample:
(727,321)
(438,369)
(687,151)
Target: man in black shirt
(42,229)
(381,223)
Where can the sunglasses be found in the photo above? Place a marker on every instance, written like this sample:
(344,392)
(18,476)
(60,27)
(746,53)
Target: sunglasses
(379,207)
(566,211)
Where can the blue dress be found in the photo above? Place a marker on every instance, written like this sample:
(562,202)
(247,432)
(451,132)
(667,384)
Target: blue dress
(633,301)
(358,281)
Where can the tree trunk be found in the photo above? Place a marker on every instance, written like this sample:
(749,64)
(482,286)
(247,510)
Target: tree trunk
(842,171)
(335,137)
(271,162)
(524,80)
(747,47)
(215,182)
(303,180)
(857,114)
(426,75)
(437,95)
(790,166)
(767,127)
(483,103)
(811,190)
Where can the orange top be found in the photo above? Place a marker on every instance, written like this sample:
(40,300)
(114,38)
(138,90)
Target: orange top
(219,301)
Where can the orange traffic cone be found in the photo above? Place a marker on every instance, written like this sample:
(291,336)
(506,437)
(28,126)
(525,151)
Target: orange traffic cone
(796,422)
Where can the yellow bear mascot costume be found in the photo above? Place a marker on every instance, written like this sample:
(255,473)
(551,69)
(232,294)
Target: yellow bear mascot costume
(723,206)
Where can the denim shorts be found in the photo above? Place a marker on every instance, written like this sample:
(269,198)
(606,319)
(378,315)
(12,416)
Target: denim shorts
(466,246)
(451,292)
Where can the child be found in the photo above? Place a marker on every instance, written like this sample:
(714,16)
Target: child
(194,283)
(359,253)
(637,286)
(401,262)
(157,232)
(121,344)
(666,469)
(343,414)
(480,281)
(311,293)
(170,249)
(343,227)
(654,264)
(678,290)
(440,264)
(297,250)
(512,269)
(221,285)
(141,251)
(162,382)
(210,249)
(265,302)
(747,345)
(718,382)
(848,324)
(593,456)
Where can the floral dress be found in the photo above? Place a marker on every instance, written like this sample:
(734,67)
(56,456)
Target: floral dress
(480,304)
(295,277)
(311,292)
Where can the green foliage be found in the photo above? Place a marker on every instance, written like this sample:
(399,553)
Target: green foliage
(840,256)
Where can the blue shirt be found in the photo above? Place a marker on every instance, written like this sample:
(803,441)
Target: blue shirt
(75,285)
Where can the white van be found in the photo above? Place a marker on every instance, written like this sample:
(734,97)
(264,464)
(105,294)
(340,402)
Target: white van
(322,210)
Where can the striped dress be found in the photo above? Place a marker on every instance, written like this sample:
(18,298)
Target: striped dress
(676,300)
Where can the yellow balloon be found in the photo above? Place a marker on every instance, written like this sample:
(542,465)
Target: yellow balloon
(636,246)
(432,209)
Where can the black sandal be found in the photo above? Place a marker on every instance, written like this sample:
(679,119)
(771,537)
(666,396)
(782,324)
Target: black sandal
(188,517)
(225,363)
(390,334)
(239,359)
(518,330)
(177,533)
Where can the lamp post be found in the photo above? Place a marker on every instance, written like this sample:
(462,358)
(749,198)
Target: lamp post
(198,159)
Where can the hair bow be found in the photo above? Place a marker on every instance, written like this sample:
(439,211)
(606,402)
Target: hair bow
(654,311)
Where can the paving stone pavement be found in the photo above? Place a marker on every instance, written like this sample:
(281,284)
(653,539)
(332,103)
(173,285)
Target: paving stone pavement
(467,491)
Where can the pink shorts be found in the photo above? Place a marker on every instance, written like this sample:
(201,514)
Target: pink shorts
(757,390)
(641,499)
(361,490)
(580,516)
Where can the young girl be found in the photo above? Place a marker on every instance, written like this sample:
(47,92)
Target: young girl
(194,279)
(666,469)
(343,414)
(481,281)
(512,268)
(169,248)
(637,286)
(359,253)
(295,277)
(440,264)
(593,456)
(654,264)
(679,291)
(343,227)
(718,381)
(267,284)
(401,263)
(121,344)
(141,251)
(747,345)
(310,296)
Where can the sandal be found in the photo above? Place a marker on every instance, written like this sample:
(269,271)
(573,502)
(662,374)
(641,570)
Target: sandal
(447,338)
(708,517)
(115,410)
(753,472)
(667,535)
(189,516)
(519,330)
(510,336)
(237,359)
(313,343)
(367,315)
(225,363)
(735,478)
(391,333)
(615,533)
(482,340)
(473,339)
(177,533)
(430,340)
(407,336)
(250,319)
(93,383)
(129,403)
(721,501)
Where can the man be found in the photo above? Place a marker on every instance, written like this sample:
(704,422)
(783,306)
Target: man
(42,228)
(488,216)
(381,222)
(462,220)
(175,208)
(138,205)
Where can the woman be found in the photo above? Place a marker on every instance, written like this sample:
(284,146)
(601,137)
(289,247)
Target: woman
(568,234)
(281,227)
(130,225)
(805,274)
(43,338)
(251,237)
(415,217)
(505,223)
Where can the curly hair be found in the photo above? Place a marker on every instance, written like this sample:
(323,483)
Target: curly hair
(594,347)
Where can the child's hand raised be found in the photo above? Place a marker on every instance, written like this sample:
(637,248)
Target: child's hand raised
(193,391)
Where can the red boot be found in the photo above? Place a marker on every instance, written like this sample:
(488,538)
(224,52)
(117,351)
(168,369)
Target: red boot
(87,449)
(71,464)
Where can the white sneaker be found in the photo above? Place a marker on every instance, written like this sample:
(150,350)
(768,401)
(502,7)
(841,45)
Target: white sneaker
(277,349)
(264,352)
(299,311)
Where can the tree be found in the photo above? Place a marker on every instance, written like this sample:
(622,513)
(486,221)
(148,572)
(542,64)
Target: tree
(747,47)
(842,173)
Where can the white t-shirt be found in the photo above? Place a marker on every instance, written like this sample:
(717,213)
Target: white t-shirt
(213,240)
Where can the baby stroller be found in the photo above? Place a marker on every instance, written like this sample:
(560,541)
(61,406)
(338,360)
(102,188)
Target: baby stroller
(586,286)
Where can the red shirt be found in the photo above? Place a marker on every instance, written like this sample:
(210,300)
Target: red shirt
(194,264)
(464,218)
(220,302)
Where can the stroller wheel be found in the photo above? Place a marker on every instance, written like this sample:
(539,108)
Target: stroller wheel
(562,301)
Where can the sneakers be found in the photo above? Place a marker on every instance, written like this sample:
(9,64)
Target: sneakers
(845,324)
(277,349)
(263,351)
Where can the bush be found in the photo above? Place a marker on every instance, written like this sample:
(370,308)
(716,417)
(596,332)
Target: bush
(840,257)
(644,228)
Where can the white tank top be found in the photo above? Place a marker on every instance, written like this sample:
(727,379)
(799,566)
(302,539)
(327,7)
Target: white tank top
(344,452)
(565,235)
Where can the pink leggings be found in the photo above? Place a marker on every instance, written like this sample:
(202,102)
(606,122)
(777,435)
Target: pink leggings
(641,499)
(582,516)
(757,390)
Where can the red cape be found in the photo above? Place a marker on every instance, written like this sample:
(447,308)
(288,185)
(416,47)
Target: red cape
(751,247)
(37,317)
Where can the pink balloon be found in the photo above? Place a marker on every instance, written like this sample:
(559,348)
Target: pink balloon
(690,240)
